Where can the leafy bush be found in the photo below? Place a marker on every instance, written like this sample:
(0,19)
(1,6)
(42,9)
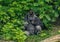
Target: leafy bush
(13,33)
(12,13)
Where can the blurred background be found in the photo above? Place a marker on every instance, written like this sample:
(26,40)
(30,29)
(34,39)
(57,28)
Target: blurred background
(12,13)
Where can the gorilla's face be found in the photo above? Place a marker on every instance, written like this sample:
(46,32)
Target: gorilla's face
(31,12)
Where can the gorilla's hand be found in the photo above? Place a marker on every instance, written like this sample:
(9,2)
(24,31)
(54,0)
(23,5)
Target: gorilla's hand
(27,33)
(38,27)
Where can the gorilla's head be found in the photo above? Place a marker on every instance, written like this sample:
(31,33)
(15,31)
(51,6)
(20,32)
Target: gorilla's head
(31,12)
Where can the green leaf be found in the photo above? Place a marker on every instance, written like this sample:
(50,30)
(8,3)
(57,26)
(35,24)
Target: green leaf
(56,14)
(53,20)
(48,17)
(35,4)
(43,34)
(1,0)
(24,2)
(59,31)
(48,0)
(58,8)
(41,16)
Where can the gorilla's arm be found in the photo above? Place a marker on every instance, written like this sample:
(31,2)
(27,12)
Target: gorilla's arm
(25,22)
(39,22)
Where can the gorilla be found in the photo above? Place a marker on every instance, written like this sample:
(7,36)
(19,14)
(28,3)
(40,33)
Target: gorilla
(33,24)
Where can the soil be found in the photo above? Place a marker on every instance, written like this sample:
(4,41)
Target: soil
(52,39)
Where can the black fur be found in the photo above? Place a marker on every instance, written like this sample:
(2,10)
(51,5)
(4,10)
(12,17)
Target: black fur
(33,21)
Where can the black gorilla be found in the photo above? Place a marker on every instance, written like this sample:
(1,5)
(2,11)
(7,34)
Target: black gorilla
(33,24)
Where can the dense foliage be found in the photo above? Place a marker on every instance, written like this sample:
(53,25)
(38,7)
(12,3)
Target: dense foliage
(12,13)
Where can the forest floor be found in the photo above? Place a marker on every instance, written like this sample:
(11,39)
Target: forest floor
(52,39)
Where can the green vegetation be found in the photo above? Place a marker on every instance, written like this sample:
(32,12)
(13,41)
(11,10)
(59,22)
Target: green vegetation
(12,13)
